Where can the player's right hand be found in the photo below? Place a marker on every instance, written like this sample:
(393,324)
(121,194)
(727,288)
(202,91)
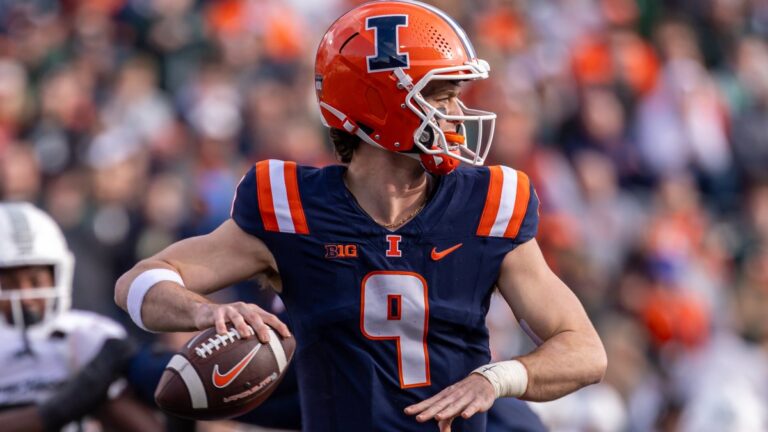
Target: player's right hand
(465,398)
(247,318)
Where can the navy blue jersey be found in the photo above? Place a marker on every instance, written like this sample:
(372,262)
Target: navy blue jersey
(384,319)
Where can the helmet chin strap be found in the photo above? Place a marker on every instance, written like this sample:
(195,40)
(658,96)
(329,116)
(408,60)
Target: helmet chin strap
(23,319)
(443,164)
(30,317)
(351,127)
(434,164)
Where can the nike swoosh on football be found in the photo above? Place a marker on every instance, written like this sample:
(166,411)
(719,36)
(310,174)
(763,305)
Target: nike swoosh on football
(437,256)
(223,380)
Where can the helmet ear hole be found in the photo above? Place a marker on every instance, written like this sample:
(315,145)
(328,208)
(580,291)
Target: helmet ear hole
(427,137)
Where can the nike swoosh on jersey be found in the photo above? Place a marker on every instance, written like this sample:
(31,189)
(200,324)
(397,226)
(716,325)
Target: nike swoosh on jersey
(223,380)
(437,256)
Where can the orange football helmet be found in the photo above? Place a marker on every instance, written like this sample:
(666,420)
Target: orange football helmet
(371,66)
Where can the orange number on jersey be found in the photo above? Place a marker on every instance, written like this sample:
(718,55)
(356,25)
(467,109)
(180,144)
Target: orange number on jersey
(394,306)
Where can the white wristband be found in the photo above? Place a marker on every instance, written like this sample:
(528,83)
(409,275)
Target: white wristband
(508,378)
(141,285)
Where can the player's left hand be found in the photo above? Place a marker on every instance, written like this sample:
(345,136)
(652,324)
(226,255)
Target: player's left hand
(466,398)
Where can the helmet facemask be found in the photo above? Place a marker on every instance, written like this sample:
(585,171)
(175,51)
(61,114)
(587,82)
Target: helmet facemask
(429,138)
(56,299)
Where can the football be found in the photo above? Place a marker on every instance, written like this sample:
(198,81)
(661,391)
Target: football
(222,376)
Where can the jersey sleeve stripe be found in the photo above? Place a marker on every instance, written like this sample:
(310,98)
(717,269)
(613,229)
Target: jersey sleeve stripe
(264,195)
(492,200)
(280,196)
(507,202)
(522,198)
(294,199)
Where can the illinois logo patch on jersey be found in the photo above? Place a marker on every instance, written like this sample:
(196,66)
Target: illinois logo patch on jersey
(393,246)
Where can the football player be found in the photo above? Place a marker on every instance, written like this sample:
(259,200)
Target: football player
(387,263)
(56,365)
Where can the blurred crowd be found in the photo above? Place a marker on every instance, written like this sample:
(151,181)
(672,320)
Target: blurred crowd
(643,124)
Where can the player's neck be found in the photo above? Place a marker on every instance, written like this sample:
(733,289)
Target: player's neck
(391,188)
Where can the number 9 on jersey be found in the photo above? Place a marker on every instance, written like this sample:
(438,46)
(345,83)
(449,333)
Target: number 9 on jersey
(394,306)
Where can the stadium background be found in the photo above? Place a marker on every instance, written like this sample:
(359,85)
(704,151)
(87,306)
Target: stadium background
(643,123)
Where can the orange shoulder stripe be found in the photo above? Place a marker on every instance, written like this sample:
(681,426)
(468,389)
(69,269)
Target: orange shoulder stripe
(521,205)
(492,201)
(264,191)
(294,199)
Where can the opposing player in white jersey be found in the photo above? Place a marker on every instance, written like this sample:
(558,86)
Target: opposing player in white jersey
(57,365)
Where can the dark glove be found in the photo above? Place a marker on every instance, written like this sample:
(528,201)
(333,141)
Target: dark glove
(85,391)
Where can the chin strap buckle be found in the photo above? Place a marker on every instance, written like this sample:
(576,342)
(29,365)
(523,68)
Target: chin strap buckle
(404,80)
(350,126)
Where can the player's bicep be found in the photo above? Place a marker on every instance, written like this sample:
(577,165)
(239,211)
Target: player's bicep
(216,260)
(537,296)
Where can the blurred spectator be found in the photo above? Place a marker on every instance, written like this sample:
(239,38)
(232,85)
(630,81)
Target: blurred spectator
(601,126)
(66,117)
(20,177)
(750,125)
(137,104)
(614,214)
(14,101)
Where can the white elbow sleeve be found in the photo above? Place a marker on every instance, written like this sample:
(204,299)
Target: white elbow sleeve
(141,285)
(508,378)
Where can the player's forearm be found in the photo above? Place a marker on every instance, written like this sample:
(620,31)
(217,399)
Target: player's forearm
(563,364)
(167,306)
(127,414)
